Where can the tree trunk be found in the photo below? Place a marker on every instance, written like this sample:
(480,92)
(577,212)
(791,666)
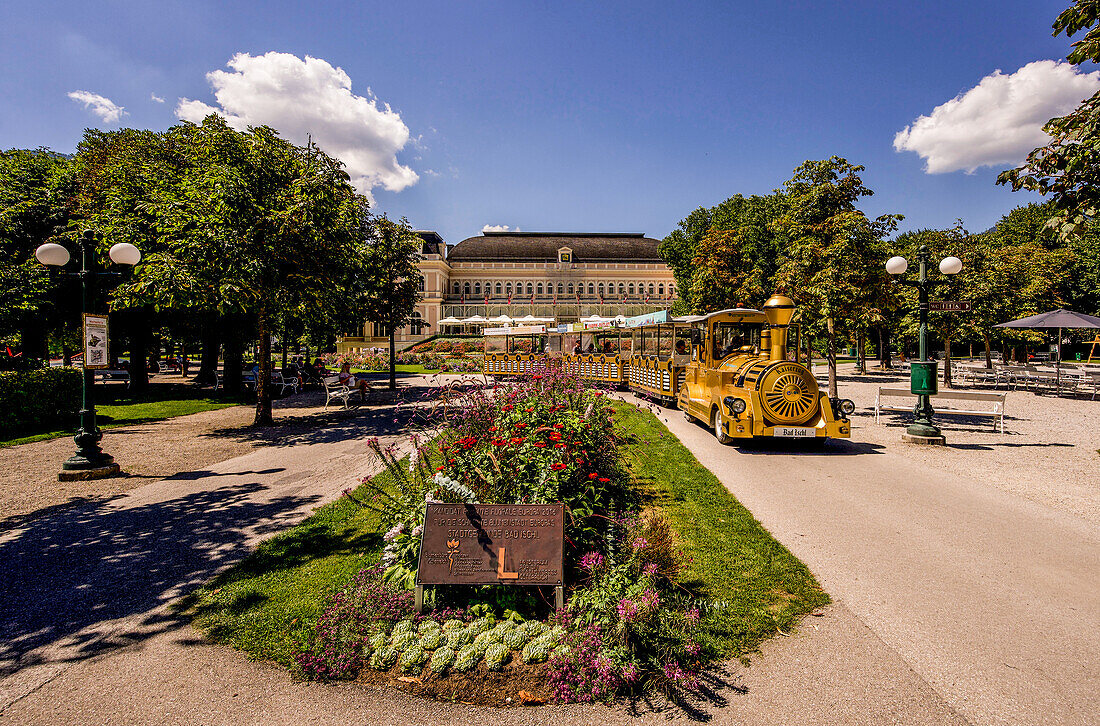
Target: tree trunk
(830,354)
(988,351)
(211,345)
(66,355)
(140,324)
(861,355)
(884,348)
(234,353)
(263,376)
(947,363)
(393,359)
(283,342)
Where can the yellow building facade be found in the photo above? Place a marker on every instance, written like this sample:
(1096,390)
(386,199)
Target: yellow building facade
(558,276)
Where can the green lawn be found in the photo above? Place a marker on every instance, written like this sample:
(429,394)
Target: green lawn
(123,413)
(403,368)
(753,584)
(748,583)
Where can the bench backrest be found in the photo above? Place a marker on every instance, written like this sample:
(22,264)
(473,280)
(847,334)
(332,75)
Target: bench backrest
(948,395)
(331,381)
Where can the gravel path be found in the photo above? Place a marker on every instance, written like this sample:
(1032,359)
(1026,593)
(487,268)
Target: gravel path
(1048,453)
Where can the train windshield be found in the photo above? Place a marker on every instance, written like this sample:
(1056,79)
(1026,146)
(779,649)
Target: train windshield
(495,343)
(730,338)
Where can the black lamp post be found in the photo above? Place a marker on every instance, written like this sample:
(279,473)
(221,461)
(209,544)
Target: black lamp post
(922,374)
(89,461)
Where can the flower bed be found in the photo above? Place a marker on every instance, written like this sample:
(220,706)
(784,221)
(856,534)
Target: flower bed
(547,438)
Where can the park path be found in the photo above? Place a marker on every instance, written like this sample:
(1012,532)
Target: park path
(87,634)
(991,598)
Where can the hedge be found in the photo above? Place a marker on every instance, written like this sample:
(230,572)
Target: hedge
(39,400)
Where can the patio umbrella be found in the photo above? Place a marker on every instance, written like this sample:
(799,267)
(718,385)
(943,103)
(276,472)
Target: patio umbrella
(450,320)
(502,319)
(1055,319)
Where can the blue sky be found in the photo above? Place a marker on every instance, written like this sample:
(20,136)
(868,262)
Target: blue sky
(568,116)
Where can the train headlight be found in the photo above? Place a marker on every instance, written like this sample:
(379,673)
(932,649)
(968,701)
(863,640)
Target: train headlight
(735,406)
(847,407)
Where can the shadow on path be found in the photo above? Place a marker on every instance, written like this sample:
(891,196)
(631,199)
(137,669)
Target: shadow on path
(66,576)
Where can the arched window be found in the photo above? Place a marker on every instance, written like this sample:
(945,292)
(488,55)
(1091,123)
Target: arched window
(601,288)
(622,289)
(561,289)
(631,288)
(591,290)
(477,288)
(456,288)
(671,291)
(651,288)
(539,288)
(500,289)
(507,288)
(466,288)
(570,288)
(530,289)
(661,289)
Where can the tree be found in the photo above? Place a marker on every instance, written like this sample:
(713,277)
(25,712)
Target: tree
(393,286)
(254,227)
(832,252)
(35,197)
(1068,168)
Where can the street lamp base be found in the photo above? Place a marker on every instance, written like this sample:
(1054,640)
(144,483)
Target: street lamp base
(918,439)
(97,472)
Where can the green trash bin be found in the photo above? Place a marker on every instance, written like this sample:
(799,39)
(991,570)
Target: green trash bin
(922,378)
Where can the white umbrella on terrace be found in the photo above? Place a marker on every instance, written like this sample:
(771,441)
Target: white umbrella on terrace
(450,320)
(475,320)
(502,319)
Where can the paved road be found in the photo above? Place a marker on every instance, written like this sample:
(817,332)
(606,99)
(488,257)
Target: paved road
(85,581)
(992,599)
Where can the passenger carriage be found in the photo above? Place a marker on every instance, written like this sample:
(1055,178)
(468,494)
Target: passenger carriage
(515,351)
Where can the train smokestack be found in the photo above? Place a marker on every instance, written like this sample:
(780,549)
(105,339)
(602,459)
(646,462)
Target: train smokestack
(779,310)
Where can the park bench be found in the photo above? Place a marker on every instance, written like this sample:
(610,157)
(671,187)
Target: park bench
(108,376)
(336,390)
(996,399)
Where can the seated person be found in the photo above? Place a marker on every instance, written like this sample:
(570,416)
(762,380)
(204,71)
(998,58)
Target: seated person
(577,348)
(607,350)
(347,378)
(590,349)
(681,347)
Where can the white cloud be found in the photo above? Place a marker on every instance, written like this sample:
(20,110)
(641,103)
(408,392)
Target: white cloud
(304,98)
(499,228)
(156,98)
(1000,120)
(107,110)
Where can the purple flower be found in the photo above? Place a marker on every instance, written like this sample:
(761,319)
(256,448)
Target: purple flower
(592,561)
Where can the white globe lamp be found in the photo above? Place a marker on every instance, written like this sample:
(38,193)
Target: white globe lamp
(951,265)
(125,253)
(896,265)
(51,254)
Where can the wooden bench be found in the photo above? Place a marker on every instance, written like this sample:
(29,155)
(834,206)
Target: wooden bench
(997,399)
(107,376)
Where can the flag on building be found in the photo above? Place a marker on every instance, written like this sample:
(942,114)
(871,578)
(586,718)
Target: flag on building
(509,298)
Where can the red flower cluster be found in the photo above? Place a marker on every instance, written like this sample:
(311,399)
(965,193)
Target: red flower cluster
(558,467)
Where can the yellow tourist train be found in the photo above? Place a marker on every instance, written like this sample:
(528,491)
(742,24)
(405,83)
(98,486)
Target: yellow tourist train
(728,369)
(515,351)
(660,349)
(596,351)
(740,383)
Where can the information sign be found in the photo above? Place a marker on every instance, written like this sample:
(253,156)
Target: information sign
(95,341)
(954,306)
(492,544)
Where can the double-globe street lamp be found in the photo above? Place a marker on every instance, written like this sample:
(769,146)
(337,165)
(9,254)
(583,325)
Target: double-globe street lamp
(89,461)
(922,374)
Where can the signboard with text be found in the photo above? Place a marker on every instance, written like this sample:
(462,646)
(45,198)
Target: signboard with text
(492,544)
(95,341)
(950,306)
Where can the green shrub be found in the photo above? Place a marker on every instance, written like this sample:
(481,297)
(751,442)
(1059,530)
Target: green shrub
(383,659)
(432,639)
(516,638)
(442,660)
(43,399)
(537,651)
(413,659)
(496,656)
(467,658)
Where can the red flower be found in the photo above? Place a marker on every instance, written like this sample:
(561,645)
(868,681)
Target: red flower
(559,446)
(598,393)
(521,425)
(492,428)
(558,467)
(604,479)
(540,444)
(529,410)
(580,461)
(593,476)
(558,425)
(439,468)
(517,440)
(450,461)
(506,407)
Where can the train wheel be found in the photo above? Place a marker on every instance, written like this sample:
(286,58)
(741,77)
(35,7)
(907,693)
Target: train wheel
(719,432)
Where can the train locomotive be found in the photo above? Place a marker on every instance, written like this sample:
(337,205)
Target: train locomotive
(739,382)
